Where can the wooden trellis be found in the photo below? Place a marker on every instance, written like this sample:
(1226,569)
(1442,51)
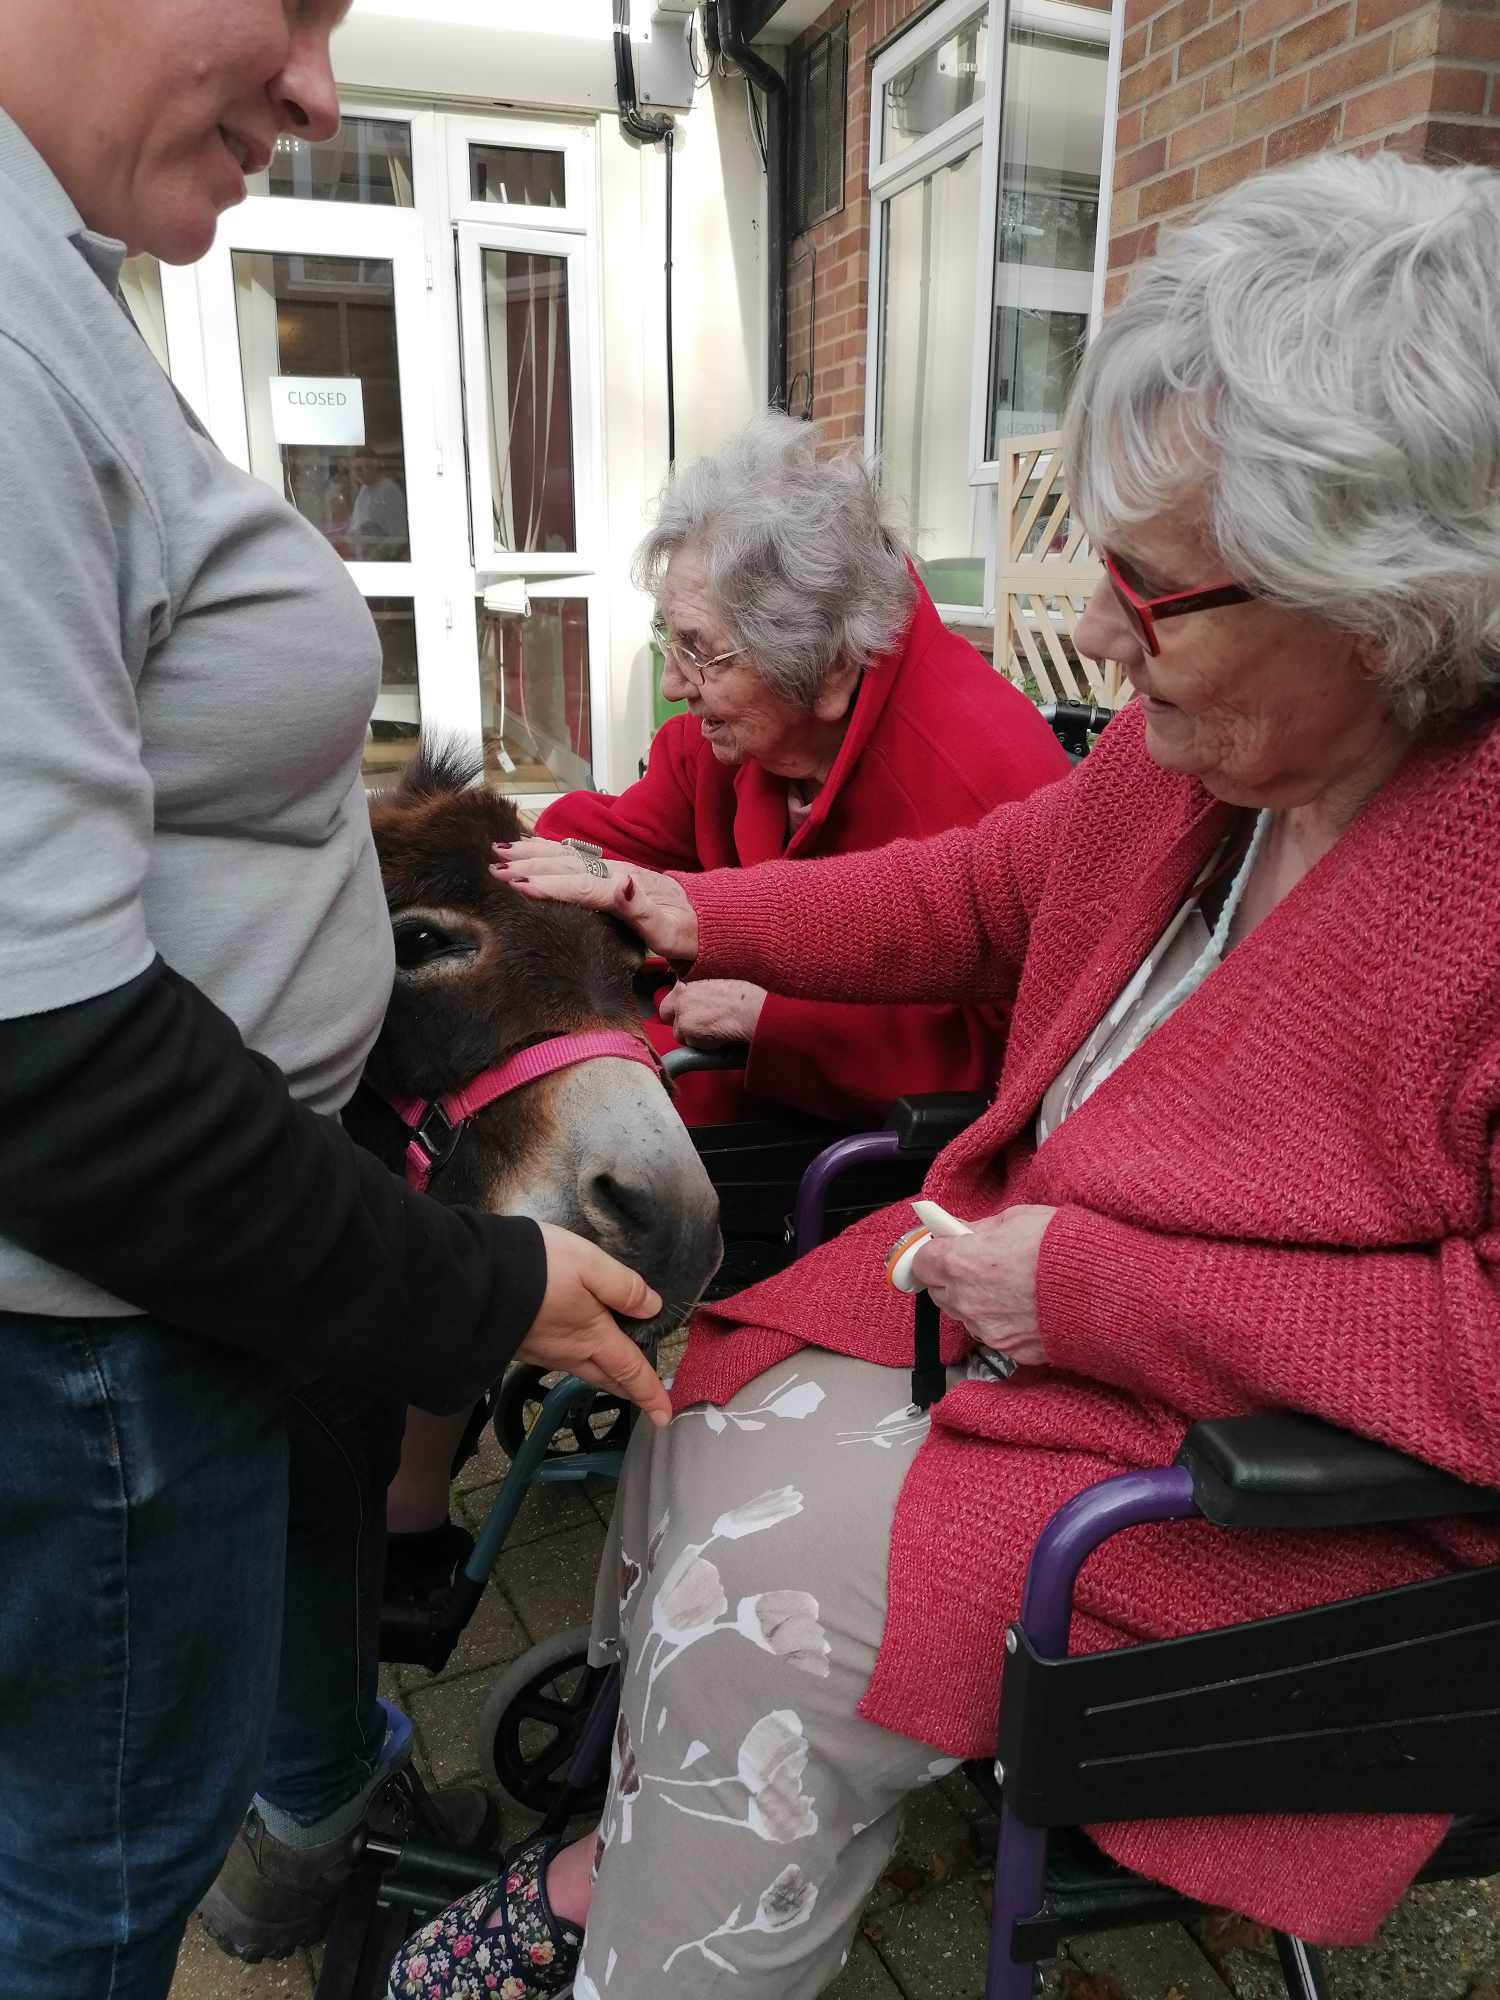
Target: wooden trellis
(1044,572)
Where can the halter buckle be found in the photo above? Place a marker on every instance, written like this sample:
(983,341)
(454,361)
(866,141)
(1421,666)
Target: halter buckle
(438,1136)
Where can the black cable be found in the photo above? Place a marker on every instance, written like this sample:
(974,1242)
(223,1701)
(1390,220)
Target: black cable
(757,125)
(671,386)
(806,410)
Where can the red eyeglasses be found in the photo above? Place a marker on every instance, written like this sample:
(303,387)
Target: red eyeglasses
(1143,612)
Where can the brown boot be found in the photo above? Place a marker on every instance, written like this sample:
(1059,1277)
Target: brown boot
(269,1898)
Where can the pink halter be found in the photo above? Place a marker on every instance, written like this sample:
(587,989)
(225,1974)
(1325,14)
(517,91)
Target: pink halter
(437,1124)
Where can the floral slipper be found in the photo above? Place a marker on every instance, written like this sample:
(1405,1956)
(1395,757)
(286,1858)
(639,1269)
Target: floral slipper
(461,1955)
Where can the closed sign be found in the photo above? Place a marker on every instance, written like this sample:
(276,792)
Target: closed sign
(318,409)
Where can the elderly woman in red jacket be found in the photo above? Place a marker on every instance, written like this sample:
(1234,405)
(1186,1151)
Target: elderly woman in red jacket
(829,710)
(1242,1153)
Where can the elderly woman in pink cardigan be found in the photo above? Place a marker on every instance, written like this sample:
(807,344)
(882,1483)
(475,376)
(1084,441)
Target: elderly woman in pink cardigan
(1240,1153)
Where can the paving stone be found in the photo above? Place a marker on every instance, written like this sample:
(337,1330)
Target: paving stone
(492,1636)
(1243,1955)
(1160,1962)
(206,1973)
(934,1848)
(488,1464)
(602,1493)
(1442,1943)
(547,1510)
(864,1977)
(551,1582)
(935,1946)
(447,1718)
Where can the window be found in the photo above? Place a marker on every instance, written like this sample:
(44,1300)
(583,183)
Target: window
(819,94)
(140,288)
(985,197)
(368,161)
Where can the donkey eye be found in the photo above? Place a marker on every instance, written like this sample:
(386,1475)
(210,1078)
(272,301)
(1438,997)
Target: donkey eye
(420,943)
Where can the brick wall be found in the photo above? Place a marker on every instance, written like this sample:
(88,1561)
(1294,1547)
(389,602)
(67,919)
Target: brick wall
(830,357)
(1211,91)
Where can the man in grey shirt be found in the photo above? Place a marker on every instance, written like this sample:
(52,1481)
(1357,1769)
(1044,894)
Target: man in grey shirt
(194,960)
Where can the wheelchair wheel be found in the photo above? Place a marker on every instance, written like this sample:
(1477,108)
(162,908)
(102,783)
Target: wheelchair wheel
(600,1424)
(532,1720)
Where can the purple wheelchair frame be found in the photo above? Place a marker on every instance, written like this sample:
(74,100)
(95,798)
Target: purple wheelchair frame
(1062,1548)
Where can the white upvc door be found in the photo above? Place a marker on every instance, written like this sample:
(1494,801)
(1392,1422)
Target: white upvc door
(346,300)
(527,314)
(418,371)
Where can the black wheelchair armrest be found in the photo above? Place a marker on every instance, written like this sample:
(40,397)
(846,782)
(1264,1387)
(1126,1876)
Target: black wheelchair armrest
(1282,1470)
(681,1062)
(926,1122)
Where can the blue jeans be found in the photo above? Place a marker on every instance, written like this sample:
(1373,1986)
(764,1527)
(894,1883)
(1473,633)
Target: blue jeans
(167,1510)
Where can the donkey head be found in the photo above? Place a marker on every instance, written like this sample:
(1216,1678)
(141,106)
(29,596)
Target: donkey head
(482,971)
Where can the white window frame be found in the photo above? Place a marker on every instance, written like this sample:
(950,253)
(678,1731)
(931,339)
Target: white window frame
(473,239)
(539,135)
(978,126)
(593,590)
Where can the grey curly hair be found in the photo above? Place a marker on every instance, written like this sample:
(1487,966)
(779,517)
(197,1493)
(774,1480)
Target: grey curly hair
(1314,361)
(797,556)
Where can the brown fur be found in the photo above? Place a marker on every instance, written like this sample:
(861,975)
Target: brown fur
(535,969)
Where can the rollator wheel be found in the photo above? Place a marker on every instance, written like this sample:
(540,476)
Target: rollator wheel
(600,1424)
(532,1720)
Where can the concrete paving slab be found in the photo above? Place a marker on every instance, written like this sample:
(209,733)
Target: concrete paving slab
(1161,1962)
(447,1718)
(546,1510)
(551,1582)
(864,1977)
(1441,1943)
(206,1973)
(934,1946)
(488,1464)
(493,1635)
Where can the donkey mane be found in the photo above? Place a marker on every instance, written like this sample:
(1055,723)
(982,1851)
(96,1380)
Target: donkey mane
(443,767)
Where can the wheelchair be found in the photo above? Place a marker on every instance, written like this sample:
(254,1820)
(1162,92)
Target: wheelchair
(1382,1703)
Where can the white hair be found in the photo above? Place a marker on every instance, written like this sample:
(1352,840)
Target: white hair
(798,560)
(1314,363)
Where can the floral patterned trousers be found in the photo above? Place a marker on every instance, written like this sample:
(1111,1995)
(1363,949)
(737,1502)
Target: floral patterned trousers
(750,1809)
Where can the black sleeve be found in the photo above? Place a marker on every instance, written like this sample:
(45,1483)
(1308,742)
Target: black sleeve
(144,1147)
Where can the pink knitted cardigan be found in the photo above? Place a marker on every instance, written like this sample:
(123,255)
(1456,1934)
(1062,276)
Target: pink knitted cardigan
(1283,1199)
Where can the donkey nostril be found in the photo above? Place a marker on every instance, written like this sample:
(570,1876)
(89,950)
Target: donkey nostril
(633,1205)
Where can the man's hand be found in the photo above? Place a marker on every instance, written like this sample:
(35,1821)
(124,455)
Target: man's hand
(708,1013)
(654,906)
(987,1279)
(574,1329)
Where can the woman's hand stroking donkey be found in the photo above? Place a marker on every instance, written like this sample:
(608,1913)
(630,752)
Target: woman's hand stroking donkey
(655,906)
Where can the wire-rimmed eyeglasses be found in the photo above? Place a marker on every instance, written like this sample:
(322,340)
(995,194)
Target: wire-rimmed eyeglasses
(684,658)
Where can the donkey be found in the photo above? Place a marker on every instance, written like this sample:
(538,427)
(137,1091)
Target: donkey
(487,980)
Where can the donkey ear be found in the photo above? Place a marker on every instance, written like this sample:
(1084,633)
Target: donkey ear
(442,765)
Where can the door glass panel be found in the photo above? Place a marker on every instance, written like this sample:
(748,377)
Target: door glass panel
(1052,141)
(528,176)
(534,689)
(1032,358)
(140,288)
(936,87)
(368,160)
(530,401)
(928,268)
(334,319)
(396,725)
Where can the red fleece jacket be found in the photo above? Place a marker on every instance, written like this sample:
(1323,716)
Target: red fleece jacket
(937,738)
(1284,1199)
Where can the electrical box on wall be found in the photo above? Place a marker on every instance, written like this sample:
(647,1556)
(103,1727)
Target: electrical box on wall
(663,52)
